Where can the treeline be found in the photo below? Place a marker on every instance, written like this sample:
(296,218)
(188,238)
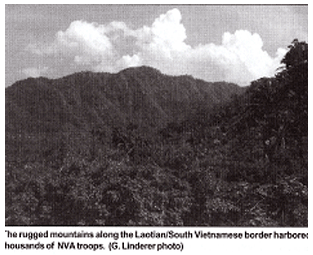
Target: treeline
(243,163)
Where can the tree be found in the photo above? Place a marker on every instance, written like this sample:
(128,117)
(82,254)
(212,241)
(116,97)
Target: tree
(297,55)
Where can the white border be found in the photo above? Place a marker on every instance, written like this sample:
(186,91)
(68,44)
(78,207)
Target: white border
(190,246)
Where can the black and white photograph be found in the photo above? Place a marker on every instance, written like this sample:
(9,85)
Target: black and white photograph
(132,115)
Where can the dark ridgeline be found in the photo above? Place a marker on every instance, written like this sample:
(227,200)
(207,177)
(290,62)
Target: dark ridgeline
(84,103)
(143,148)
(83,100)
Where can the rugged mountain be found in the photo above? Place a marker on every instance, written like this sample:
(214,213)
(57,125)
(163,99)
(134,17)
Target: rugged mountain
(142,95)
(44,109)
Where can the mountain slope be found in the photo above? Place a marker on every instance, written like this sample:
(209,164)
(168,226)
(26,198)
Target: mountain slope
(142,95)
(41,111)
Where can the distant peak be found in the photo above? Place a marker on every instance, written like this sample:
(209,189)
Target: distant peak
(141,69)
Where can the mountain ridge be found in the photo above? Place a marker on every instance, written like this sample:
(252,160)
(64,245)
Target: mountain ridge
(133,94)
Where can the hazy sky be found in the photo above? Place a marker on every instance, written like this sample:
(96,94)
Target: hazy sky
(237,43)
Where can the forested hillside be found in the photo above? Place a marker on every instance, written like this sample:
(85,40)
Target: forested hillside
(142,148)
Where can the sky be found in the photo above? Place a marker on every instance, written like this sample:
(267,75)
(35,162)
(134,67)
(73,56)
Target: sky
(233,43)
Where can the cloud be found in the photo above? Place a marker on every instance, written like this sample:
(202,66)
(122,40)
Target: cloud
(35,72)
(114,46)
(87,41)
(240,58)
(166,33)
